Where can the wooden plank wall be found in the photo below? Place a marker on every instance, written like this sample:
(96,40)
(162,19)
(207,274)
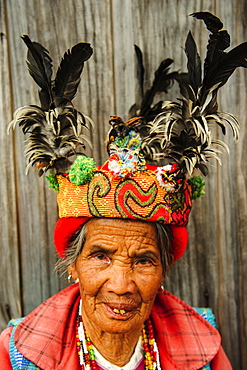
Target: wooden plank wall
(213,271)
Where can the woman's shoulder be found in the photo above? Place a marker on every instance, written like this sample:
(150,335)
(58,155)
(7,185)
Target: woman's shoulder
(183,334)
(5,336)
(4,348)
(14,341)
(167,304)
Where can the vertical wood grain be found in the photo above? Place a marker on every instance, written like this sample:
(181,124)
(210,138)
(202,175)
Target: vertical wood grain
(10,293)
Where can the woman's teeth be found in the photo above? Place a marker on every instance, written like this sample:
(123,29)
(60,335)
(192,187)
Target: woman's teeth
(122,312)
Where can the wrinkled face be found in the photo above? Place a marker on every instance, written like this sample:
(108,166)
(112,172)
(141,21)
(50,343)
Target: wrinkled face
(119,272)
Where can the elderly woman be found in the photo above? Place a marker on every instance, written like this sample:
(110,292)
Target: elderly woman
(117,316)
(121,227)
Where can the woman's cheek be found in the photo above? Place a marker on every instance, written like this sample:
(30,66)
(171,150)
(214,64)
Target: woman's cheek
(148,286)
(90,280)
(144,281)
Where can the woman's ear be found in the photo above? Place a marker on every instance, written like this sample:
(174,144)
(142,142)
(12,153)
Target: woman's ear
(73,271)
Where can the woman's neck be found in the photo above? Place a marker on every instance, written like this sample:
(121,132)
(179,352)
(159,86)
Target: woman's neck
(114,347)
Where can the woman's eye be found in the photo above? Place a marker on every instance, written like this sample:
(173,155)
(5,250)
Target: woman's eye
(144,261)
(101,257)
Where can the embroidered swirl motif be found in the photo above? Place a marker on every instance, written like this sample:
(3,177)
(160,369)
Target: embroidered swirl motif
(132,201)
(138,197)
(99,186)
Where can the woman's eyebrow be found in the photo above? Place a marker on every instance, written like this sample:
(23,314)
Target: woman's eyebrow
(146,254)
(100,248)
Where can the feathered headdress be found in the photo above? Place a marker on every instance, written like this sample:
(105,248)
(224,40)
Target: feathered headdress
(181,132)
(129,185)
(55,128)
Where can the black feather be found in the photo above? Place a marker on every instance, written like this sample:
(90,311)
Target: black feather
(140,68)
(162,81)
(212,22)
(215,49)
(69,71)
(194,63)
(218,40)
(220,72)
(40,67)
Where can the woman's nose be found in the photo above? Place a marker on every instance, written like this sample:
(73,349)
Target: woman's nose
(121,281)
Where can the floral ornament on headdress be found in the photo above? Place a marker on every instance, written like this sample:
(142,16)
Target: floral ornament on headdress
(170,177)
(132,141)
(123,163)
(125,157)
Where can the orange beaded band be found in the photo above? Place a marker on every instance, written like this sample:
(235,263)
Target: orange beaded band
(139,196)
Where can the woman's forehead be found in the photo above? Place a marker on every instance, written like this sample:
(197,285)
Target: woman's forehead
(116,230)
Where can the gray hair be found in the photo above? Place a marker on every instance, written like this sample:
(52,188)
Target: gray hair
(77,241)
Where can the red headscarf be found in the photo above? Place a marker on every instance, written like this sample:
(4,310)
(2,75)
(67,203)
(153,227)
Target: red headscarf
(67,227)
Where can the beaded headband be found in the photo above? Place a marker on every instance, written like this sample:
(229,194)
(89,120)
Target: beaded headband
(139,196)
(150,173)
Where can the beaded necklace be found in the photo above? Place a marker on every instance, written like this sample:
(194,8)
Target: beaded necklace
(87,356)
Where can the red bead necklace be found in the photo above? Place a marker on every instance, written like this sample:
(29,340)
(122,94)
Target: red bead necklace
(148,343)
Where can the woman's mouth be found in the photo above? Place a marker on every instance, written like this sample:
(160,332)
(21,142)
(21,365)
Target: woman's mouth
(120,311)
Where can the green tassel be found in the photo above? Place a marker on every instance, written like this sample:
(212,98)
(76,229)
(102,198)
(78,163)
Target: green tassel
(81,170)
(53,183)
(198,185)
